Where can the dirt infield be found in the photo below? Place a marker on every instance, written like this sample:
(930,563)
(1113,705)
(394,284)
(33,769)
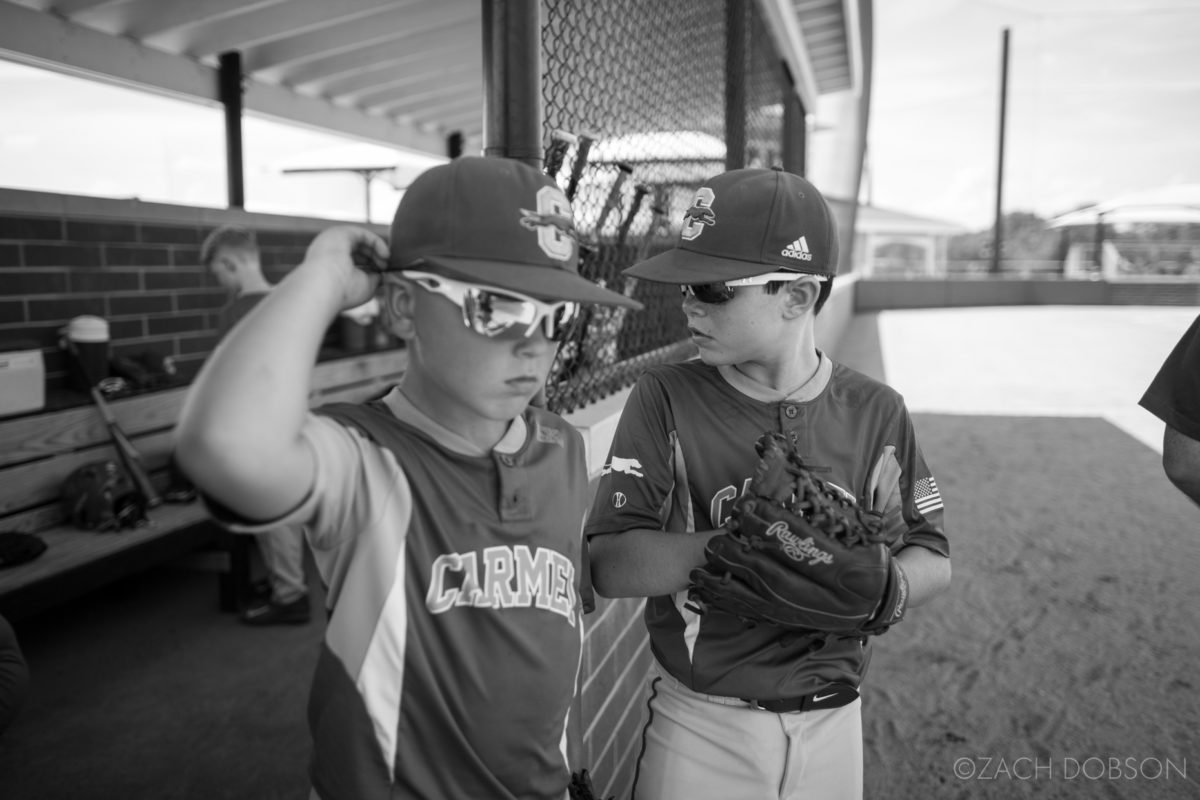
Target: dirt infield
(1063,661)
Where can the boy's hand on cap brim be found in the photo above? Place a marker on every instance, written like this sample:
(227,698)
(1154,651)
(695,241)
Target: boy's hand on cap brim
(357,255)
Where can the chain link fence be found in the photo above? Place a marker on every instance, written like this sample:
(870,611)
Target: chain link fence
(639,90)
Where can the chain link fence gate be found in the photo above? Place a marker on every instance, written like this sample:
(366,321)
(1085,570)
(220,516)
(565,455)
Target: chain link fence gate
(641,89)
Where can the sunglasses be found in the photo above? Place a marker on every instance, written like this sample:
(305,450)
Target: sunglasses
(723,291)
(490,311)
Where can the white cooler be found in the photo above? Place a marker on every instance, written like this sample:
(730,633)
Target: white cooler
(22,382)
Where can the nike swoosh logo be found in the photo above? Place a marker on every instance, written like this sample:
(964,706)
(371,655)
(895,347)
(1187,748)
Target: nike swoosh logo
(819,697)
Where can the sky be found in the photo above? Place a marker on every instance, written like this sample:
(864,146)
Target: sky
(162,149)
(1103,100)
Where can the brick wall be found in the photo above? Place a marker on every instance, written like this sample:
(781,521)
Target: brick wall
(135,264)
(611,710)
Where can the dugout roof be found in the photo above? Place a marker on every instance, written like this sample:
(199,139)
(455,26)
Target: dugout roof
(401,72)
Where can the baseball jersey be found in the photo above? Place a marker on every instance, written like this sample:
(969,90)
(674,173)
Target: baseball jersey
(452,652)
(1174,394)
(683,452)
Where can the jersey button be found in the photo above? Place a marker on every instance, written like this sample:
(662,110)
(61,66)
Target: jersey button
(790,412)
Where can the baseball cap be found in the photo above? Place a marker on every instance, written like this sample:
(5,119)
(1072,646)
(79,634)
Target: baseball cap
(746,222)
(497,222)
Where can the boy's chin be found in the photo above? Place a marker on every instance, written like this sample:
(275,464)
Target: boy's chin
(714,359)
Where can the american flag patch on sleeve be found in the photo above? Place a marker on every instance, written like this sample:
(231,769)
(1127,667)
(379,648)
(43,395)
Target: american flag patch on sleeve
(926,495)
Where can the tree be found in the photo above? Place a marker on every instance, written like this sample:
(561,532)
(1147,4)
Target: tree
(1025,238)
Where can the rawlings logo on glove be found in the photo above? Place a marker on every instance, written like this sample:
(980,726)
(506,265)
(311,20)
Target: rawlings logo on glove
(798,549)
(798,554)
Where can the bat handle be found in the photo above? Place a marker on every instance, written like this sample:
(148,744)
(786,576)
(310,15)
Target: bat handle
(581,157)
(639,192)
(560,142)
(614,195)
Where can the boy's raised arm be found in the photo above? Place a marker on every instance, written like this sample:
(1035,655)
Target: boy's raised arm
(238,436)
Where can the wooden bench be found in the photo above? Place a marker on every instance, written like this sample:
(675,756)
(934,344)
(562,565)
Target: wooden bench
(38,451)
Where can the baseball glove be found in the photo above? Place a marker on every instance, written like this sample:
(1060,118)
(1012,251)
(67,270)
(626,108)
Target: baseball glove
(101,497)
(798,554)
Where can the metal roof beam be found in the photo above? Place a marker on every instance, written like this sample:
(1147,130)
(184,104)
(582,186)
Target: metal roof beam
(782,22)
(350,36)
(69,8)
(445,66)
(125,18)
(53,43)
(854,42)
(470,120)
(394,104)
(260,25)
(154,18)
(311,74)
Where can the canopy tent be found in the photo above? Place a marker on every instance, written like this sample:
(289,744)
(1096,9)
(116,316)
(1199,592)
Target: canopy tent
(1177,204)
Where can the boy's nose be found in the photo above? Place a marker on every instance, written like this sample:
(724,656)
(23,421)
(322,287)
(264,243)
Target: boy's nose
(533,345)
(691,306)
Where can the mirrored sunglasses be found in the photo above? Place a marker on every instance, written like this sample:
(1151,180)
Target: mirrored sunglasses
(724,291)
(490,311)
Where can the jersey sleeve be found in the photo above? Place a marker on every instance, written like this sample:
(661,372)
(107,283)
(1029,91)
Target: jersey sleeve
(1174,394)
(353,481)
(903,489)
(636,483)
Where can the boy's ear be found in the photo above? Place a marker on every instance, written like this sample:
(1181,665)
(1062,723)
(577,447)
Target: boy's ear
(396,304)
(801,297)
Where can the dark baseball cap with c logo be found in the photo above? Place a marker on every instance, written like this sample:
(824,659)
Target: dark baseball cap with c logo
(747,222)
(496,222)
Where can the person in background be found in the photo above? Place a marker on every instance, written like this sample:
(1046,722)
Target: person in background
(1174,397)
(231,254)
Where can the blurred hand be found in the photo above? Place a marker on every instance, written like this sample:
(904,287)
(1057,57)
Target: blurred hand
(356,256)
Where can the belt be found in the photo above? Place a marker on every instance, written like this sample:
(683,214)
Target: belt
(834,695)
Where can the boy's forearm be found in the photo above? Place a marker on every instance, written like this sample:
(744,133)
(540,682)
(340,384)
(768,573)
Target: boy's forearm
(928,573)
(645,562)
(257,380)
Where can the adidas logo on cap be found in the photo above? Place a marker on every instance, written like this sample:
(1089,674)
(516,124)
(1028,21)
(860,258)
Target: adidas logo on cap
(797,249)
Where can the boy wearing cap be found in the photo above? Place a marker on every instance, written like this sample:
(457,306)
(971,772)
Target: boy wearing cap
(446,517)
(734,710)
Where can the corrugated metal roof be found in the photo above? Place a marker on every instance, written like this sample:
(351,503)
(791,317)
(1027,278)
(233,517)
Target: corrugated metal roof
(404,71)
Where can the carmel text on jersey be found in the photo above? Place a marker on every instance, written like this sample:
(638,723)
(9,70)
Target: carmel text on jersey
(503,577)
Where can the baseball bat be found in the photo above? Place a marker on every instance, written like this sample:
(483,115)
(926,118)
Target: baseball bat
(581,158)
(560,142)
(639,192)
(614,194)
(658,211)
(131,459)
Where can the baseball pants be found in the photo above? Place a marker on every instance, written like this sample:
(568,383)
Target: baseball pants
(700,747)
(282,552)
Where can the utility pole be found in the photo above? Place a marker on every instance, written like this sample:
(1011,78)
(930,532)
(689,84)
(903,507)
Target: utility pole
(998,228)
